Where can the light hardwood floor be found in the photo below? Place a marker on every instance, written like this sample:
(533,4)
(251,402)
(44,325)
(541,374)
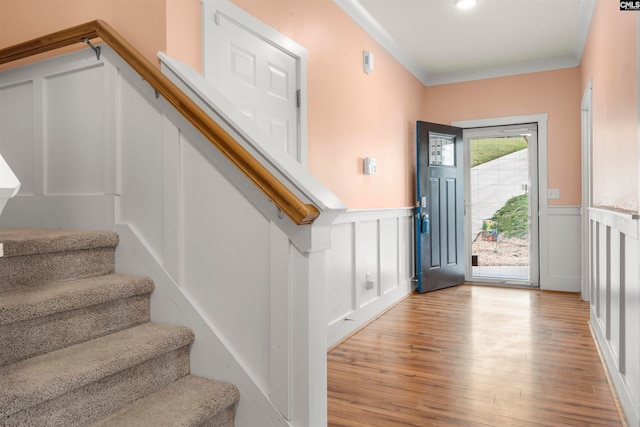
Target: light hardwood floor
(473,356)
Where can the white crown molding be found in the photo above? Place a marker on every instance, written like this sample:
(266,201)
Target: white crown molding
(584,23)
(507,70)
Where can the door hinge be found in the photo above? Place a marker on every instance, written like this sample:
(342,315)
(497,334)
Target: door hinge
(298,98)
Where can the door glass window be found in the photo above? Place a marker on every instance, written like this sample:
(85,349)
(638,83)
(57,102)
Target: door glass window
(442,150)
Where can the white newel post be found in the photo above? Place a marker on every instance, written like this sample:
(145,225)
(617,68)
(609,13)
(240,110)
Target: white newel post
(9,183)
(317,312)
(308,368)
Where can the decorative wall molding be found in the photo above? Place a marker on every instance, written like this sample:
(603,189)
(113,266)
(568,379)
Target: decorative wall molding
(615,301)
(563,255)
(374,244)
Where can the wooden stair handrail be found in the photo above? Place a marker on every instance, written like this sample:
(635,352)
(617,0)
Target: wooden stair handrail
(281,196)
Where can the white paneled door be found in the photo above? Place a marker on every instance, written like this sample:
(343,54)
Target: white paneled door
(257,76)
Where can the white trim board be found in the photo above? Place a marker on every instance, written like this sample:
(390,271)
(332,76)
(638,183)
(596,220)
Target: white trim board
(586,124)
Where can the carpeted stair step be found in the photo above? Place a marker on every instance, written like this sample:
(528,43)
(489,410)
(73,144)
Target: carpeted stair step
(33,257)
(86,381)
(37,320)
(190,401)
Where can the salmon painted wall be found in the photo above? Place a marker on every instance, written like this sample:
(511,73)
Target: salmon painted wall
(351,115)
(557,93)
(610,60)
(172,26)
(184,32)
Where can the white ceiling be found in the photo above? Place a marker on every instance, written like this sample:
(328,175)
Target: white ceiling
(441,44)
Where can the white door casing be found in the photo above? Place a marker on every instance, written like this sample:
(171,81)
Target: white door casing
(541,120)
(586,136)
(531,183)
(260,71)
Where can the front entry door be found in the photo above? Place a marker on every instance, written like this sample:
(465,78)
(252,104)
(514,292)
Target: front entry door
(439,216)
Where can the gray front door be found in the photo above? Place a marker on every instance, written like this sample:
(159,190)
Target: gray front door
(439,218)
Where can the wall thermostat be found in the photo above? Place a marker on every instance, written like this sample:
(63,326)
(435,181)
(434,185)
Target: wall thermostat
(369,166)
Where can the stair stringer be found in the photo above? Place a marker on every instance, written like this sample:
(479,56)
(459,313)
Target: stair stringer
(170,305)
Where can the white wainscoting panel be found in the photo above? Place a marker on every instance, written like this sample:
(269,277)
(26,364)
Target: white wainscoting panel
(389,268)
(367,262)
(341,272)
(564,250)
(140,145)
(373,243)
(74,135)
(227,260)
(615,301)
(56,134)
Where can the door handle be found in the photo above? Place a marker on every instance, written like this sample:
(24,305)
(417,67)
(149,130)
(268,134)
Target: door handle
(424,223)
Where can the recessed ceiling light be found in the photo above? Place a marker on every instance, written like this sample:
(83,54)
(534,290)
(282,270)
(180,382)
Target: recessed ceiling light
(465,4)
